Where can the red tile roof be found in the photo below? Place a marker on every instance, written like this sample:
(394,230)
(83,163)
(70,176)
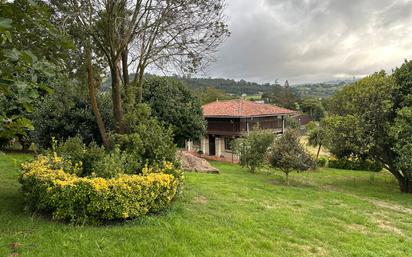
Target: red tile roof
(242,108)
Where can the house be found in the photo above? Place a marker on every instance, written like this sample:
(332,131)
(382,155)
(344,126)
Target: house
(227,120)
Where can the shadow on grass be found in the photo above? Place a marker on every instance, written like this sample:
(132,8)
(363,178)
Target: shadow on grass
(12,203)
(379,185)
(382,189)
(293,183)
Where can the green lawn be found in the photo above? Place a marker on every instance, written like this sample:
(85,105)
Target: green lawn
(326,213)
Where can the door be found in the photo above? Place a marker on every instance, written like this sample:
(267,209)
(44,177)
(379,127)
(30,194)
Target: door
(212,145)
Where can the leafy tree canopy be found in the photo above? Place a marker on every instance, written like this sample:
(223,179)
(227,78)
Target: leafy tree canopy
(27,73)
(371,119)
(32,30)
(282,96)
(288,154)
(211,94)
(176,105)
(67,113)
(253,148)
(313,107)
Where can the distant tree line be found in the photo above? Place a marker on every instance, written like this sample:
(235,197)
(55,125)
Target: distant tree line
(307,98)
(319,90)
(230,86)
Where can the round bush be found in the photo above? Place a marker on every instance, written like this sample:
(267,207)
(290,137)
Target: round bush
(67,197)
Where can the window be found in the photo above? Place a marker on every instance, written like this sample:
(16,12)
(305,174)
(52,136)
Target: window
(228,144)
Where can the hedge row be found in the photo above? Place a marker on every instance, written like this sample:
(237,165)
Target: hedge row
(94,200)
(349,164)
(356,164)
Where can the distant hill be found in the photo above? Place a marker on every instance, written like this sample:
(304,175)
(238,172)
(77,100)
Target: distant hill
(320,90)
(230,86)
(233,87)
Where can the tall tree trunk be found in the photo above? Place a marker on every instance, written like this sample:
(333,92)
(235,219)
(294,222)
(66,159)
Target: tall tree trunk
(128,88)
(92,94)
(404,181)
(317,154)
(139,85)
(405,185)
(125,69)
(117,97)
(287,178)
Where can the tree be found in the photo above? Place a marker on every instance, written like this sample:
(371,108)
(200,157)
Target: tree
(252,149)
(313,107)
(175,105)
(32,30)
(91,81)
(147,141)
(67,113)
(316,136)
(371,119)
(211,94)
(229,86)
(281,96)
(162,34)
(25,78)
(288,154)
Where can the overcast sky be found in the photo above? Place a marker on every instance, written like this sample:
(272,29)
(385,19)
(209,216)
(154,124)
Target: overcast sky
(313,40)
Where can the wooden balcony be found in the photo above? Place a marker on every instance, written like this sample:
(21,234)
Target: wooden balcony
(238,127)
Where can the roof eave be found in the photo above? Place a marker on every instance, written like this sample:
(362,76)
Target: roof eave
(249,116)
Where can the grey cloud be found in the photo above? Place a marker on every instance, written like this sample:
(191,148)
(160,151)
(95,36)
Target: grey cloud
(313,40)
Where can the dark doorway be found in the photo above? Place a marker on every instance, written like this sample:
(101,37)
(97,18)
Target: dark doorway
(212,145)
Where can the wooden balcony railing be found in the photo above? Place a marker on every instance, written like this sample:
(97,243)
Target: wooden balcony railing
(225,127)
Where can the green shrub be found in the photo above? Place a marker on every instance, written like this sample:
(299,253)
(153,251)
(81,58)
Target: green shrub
(68,197)
(322,161)
(72,149)
(76,151)
(176,106)
(354,164)
(149,144)
(252,149)
(288,154)
(67,113)
(292,123)
(111,165)
(92,156)
(147,141)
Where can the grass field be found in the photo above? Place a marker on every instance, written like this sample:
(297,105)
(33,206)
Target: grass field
(235,213)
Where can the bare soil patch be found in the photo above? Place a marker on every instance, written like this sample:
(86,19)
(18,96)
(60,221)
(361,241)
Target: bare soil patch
(190,162)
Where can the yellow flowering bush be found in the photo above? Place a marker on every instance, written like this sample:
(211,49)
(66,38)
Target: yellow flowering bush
(48,188)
